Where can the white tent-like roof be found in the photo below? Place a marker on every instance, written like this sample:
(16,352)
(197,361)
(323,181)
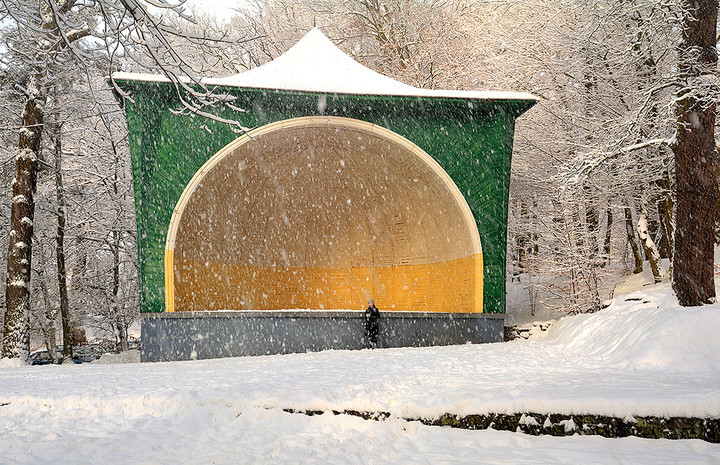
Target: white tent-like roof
(315,64)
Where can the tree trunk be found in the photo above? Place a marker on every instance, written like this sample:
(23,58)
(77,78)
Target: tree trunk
(522,239)
(696,162)
(608,237)
(535,247)
(46,318)
(631,240)
(665,212)
(60,247)
(651,252)
(592,222)
(663,241)
(16,335)
(119,323)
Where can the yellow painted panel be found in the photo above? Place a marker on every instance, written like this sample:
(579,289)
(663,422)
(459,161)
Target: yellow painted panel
(169,282)
(452,286)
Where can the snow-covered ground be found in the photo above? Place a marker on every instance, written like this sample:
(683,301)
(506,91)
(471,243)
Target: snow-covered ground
(643,355)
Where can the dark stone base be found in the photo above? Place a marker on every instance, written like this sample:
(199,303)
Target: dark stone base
(202,335)
(706,429)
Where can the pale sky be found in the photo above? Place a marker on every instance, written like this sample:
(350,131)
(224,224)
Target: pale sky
(221,8)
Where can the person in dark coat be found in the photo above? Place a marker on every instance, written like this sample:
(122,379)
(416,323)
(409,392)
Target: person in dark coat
(372,327)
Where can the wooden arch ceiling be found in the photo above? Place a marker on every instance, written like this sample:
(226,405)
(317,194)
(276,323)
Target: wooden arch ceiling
(322,213)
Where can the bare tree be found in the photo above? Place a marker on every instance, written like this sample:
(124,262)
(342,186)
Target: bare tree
(47,314)
(56,138)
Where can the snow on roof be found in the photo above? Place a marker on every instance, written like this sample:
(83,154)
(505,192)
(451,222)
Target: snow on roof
(315,64)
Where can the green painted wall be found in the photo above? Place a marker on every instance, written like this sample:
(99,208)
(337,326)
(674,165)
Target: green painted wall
(471,140)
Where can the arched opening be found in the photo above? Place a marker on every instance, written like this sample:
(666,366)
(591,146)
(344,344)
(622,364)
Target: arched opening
(322,213)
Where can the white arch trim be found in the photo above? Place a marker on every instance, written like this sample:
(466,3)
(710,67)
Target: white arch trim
(308,122)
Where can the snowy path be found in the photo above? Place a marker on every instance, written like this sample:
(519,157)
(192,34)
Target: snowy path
(636,358)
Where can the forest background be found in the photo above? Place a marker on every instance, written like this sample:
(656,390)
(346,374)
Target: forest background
(593,187)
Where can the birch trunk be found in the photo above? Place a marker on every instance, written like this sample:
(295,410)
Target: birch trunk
(650,249)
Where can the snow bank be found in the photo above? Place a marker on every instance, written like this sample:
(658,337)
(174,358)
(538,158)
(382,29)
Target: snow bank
(6,363)
(129,356)
(645,329)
